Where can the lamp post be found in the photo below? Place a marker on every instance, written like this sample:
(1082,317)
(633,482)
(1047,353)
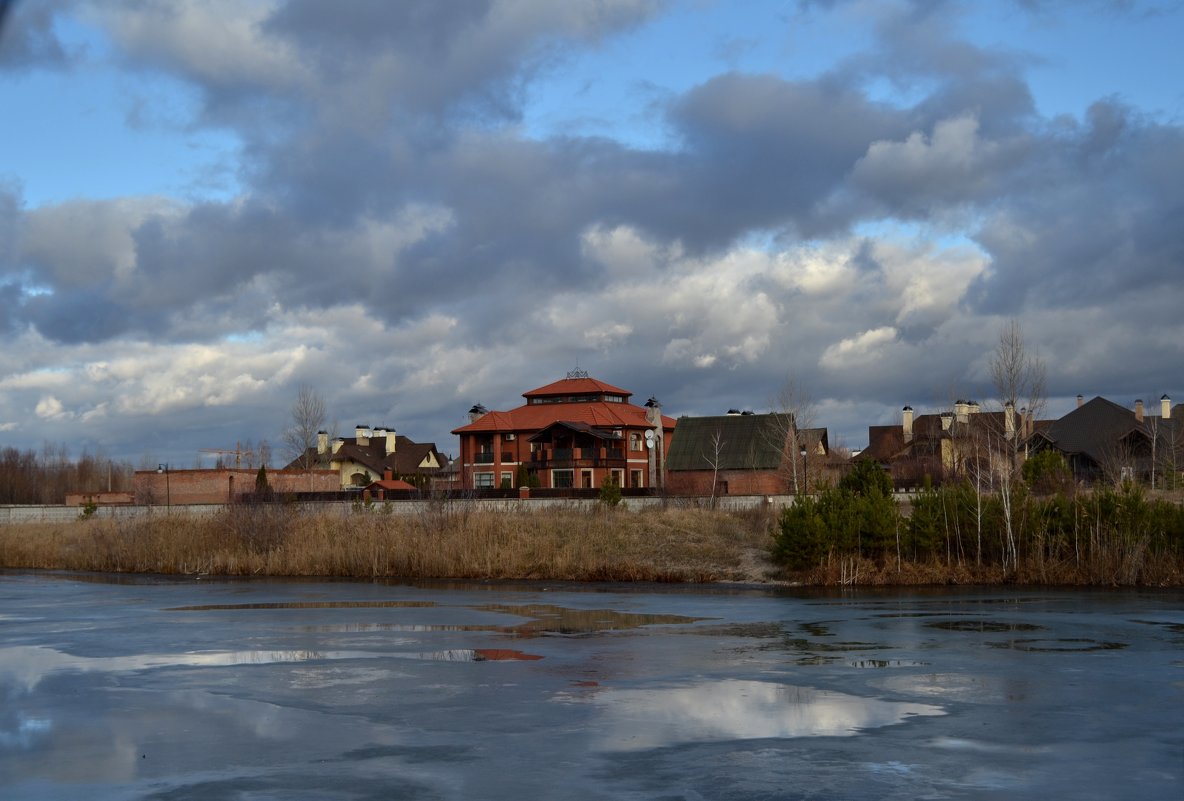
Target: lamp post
(168,493)
(805,473)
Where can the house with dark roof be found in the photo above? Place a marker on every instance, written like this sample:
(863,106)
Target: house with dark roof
(373,454)
(575,432)
(954,443)
(1102,440)
(743,454)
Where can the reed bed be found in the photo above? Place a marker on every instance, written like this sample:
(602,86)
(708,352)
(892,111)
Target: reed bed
(672,545)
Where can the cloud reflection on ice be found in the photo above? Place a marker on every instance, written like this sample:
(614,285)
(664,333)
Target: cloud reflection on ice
(739,710)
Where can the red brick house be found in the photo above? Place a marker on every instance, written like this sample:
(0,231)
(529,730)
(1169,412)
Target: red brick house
(572,433)
(745,454)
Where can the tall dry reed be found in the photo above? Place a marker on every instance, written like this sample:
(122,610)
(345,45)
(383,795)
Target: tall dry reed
(454,542)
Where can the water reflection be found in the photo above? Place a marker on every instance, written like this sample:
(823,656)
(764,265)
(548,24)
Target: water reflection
(22,668)
(983,626)
(739,710)
(543,619)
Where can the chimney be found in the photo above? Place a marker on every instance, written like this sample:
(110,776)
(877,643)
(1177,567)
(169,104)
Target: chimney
(337,443)
(946,420)
(477,412)
(653,412)
(906,423)
(390,441)
(362,435)
(1165,407)
(322,442)
(1080,401)
(1139,410)
(961,410)
(1009,420)
(973,407)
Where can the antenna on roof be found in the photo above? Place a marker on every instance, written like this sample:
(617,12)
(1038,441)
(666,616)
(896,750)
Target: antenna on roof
(578,373)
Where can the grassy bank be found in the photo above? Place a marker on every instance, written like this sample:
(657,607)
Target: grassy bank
(667,545)
(670,545)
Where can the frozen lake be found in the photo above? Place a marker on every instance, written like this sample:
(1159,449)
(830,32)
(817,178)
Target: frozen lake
(184,689)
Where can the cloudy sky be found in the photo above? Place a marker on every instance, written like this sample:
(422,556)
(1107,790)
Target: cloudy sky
(417,206)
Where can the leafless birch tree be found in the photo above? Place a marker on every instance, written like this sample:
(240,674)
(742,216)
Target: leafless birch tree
(308,415)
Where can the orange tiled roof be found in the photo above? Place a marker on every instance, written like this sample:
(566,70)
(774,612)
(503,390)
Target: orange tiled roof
(576,386)
(534,417)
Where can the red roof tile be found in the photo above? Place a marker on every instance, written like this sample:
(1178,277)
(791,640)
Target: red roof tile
(576,386)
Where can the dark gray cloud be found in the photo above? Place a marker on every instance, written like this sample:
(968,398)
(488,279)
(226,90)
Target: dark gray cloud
(27,36)
(399,240)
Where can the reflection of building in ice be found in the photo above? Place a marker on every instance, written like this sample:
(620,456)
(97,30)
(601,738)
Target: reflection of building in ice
(739,710)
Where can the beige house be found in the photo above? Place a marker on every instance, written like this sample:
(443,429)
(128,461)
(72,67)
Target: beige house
(372,454)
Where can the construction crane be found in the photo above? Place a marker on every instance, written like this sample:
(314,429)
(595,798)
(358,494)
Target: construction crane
(238,453)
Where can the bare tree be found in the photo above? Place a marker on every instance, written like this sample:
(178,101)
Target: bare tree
(714,458)
(1018,376)
(796,406)
(308,415)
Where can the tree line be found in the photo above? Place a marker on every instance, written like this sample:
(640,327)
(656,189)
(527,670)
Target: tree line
(1044,532)
(29,477)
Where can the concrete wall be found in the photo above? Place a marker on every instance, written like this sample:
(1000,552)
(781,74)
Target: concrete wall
(64,514)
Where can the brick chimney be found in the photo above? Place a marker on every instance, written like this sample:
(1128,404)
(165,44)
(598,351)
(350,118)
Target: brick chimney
(322,442)
(390,441)
(1009,420)
(1139,410)
(362,435)
(946,420)
(906,423)
(477,412)
(1165,407)
(1080,401)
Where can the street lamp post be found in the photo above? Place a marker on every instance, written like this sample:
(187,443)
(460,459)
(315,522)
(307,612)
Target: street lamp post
(168,492)
(805,473)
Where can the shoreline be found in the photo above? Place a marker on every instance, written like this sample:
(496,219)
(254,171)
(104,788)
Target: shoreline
(685,546)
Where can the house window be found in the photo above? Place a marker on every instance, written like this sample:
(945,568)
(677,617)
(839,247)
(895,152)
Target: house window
(618,477)
(508,480)
(483,480)
(586,479)
(561,479)
(635,478)
(635,442)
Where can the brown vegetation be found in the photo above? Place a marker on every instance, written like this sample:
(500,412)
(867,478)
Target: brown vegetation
(668,545)
(454,541)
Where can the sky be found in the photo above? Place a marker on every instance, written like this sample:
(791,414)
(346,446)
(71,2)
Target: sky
(418,206)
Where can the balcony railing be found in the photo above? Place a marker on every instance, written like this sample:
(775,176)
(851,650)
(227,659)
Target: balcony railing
(577,457)
(483,458)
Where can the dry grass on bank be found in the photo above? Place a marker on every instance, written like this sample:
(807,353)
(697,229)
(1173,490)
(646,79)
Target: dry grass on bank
(658,545)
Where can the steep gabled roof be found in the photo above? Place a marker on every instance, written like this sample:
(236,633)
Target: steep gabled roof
(745,442)
(405,460)
(1092,429)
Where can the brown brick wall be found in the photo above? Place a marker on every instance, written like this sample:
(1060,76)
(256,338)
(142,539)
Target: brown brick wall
(739,482)
(223,486)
